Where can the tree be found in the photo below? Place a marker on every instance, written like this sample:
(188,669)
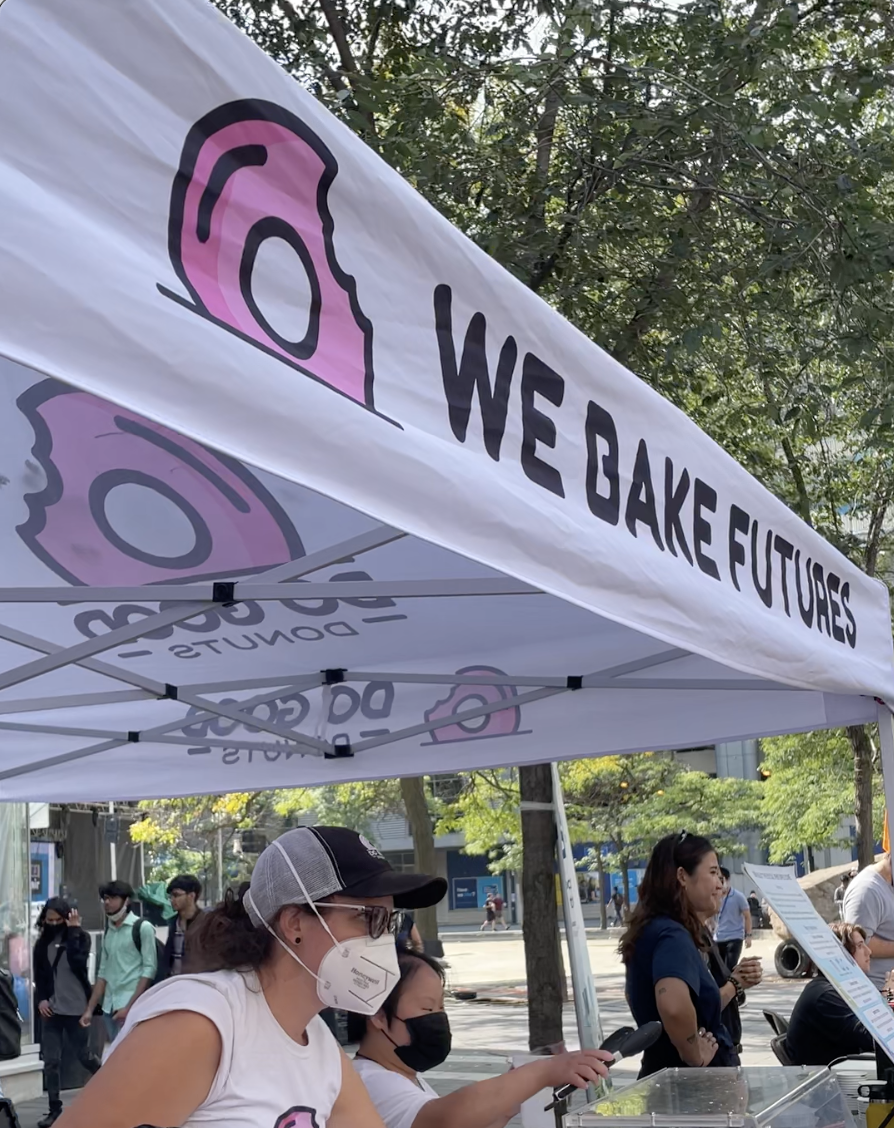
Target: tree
(797,815)
(625,804)
(184,833)
(416,803)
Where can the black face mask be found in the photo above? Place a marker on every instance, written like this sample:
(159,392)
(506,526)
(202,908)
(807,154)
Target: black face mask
(430,1041)
(52,930)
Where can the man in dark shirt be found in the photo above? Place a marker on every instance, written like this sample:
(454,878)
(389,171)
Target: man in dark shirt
(183,893)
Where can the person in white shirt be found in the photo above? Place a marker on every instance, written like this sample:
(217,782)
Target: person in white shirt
(241,1042)
(411,1034)
(869,902)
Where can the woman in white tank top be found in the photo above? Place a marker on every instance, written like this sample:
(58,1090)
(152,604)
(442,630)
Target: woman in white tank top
(242,1043)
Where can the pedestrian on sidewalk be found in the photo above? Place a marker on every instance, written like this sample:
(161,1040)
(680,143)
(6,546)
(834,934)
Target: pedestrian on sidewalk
(618,905)
(489,915)
(411,1034)
(498,912)
(61,989)
(126,968)
(183,893)
(734,925)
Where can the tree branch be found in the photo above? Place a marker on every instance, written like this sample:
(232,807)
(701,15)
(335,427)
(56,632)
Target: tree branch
(346,55)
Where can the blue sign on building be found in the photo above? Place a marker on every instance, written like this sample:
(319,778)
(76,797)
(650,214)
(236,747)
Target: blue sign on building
(464,893)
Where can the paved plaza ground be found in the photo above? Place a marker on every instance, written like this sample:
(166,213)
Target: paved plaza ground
(485,1034)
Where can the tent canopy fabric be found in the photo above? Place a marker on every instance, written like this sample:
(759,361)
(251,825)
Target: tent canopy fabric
(300,486)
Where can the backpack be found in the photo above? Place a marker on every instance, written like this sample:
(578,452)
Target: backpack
(10,1019)
(161,960)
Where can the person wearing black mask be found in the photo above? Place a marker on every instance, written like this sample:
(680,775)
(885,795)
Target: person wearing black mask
(62,990)
(411,1034)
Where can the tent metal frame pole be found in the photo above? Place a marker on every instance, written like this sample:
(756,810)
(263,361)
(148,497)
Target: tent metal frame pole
(886,747)
(203,594)
(210,708)
(586,1005)
(227,742)
(55,658)
(75,701)
(63,758)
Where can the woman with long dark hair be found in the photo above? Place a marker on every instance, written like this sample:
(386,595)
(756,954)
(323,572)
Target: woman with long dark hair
(241,1042)
(664,950)
(61,989)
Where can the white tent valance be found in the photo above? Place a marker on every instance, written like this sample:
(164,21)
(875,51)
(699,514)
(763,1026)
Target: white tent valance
(326,494)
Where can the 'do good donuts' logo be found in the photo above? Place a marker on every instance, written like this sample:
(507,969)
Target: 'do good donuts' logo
(127,501)
(298,1117)
(252,172)
(502,722)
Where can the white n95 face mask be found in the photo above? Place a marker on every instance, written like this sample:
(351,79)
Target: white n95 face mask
(354,975)
(358,974)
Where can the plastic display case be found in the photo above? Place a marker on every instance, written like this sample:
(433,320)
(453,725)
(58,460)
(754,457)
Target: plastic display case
(758,1097)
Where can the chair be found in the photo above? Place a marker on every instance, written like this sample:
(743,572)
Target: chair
(779,1048)
(778,1024)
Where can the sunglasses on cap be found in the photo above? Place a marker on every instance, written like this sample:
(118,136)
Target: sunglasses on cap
(379,920)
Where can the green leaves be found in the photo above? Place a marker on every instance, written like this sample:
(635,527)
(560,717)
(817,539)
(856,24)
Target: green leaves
(809,792)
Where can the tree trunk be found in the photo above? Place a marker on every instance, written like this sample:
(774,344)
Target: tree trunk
(600,874)
(862,748)
(412,790)
(625,878)
(543,956)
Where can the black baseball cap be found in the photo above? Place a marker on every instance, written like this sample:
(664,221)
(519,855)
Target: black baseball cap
(310,863)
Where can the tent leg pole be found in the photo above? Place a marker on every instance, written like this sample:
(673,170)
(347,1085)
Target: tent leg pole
(586,1008)
(886,745)
(113,850)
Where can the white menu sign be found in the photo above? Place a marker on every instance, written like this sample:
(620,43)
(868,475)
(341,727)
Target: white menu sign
(789,901)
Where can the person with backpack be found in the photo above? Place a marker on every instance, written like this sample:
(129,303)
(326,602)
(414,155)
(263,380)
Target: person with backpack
(183,893)
(61,991)
(129,959)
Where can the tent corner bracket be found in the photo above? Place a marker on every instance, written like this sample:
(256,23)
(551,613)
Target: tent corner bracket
(223,591)
(574,681)
(333,677)
(133,737)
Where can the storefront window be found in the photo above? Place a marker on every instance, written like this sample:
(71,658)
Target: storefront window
(15,904)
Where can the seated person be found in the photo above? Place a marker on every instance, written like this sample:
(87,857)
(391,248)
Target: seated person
(823,1027)
(411,1033)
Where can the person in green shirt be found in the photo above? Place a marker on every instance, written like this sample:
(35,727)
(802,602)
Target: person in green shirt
(125,971)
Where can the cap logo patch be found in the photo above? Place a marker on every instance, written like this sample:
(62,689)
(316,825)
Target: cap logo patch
(373,851)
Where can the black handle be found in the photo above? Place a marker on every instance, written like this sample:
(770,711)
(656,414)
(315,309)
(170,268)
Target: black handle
(632,1044)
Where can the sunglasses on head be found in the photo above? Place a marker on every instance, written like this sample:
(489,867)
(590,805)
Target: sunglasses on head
(379,920)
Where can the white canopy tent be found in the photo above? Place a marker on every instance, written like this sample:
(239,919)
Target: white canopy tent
(301,487)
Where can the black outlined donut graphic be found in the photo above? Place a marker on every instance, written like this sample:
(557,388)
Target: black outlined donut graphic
(502,722)
(88,448)
(251,171)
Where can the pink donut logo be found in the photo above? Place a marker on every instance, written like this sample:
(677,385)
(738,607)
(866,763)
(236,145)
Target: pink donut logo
(227,522)
(251,171)
(298,1117)
(502,722)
